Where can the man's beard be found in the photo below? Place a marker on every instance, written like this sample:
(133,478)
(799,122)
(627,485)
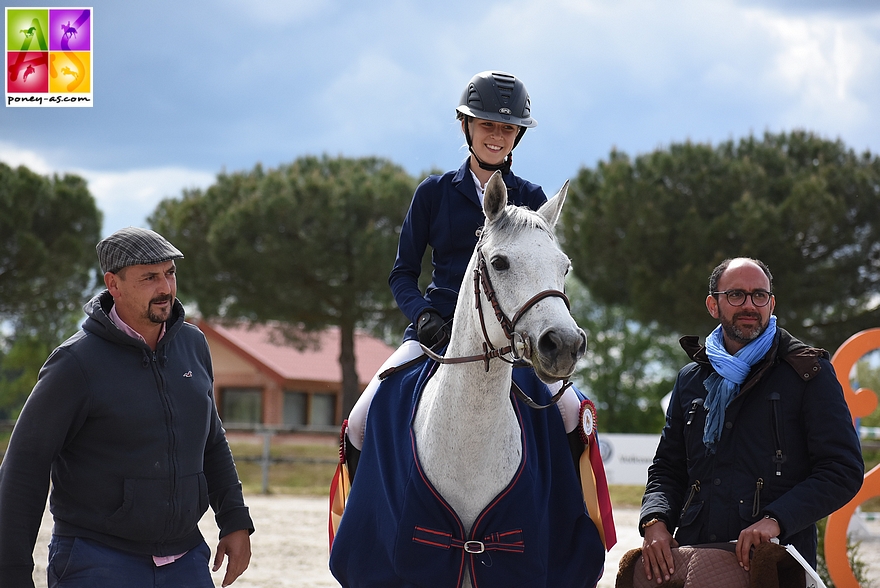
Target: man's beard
(741,335)
(154,316)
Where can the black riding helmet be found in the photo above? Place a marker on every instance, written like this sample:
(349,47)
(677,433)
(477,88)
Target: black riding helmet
(499,97)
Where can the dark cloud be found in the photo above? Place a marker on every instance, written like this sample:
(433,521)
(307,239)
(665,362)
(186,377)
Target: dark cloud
(838,7)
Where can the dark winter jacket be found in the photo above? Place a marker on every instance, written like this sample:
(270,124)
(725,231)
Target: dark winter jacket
(788,449)
(133,442)
(445,213)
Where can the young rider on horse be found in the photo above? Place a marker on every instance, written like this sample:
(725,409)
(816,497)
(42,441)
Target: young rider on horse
(446,213)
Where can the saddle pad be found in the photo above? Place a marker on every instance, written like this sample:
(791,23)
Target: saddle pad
(697,567)
(716,565)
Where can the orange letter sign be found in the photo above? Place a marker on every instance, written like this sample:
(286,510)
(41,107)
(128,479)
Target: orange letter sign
(862,402)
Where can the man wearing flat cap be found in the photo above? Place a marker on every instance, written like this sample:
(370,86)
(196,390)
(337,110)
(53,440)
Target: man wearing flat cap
(122,421)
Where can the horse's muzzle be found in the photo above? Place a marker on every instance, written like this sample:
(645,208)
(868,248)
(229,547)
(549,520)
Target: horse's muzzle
(557,352)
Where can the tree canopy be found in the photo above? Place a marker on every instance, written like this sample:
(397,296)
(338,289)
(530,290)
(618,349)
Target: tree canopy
(628,368)
(645,233)
(309,244)
(49,227)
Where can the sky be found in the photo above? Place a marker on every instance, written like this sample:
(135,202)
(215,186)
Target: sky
(186,90)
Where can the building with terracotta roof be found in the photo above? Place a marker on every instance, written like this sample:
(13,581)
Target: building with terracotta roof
(262,379)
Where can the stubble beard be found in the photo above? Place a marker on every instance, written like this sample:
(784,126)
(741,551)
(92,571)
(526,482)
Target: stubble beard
(741,335)
(156,316)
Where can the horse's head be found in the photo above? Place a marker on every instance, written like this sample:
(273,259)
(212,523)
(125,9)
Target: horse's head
(519,258)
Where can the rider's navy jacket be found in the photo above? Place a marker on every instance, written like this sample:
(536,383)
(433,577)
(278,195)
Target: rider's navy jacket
(397,531)
(445,213)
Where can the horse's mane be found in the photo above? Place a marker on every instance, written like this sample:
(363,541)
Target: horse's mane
(513,221)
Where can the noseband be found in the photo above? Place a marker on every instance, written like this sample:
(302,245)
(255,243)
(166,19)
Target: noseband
(519,345)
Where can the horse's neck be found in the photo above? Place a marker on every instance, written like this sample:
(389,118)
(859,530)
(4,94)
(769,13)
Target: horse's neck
(467,433)
(462,397)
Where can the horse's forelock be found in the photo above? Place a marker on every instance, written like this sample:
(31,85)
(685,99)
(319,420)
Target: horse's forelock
(513,221)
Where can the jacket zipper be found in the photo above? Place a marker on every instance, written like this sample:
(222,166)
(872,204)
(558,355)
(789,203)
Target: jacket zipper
(756,501)
(695,487)
(172,468)
(779,456)
(693,411)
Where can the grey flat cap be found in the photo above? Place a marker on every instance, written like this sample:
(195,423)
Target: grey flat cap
(134,246)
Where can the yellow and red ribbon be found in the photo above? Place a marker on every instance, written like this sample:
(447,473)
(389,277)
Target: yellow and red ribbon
(593,482)
(339,487)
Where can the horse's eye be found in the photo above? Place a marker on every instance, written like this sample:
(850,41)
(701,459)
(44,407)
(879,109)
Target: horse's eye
(500,264)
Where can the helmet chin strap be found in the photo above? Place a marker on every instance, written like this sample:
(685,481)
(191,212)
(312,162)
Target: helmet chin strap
(503,167)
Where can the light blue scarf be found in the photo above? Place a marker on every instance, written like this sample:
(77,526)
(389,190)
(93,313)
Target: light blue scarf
(731,372)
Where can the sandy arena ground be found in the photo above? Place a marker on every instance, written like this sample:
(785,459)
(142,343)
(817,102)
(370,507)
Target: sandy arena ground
(290,545)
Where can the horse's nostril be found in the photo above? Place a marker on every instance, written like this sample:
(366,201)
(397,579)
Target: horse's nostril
(549,343)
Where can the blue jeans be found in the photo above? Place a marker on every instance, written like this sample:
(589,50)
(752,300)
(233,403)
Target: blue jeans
(75,562)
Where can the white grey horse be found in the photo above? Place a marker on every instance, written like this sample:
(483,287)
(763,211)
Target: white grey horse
(467,433)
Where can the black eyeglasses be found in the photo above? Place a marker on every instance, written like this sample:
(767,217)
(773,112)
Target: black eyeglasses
(738,297)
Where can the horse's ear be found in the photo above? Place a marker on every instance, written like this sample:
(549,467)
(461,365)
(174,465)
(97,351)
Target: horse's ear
(551,209)
(495,197)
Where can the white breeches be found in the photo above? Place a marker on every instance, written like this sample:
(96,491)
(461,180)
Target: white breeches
(357,420)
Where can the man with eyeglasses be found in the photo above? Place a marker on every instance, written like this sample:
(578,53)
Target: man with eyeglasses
(759,443)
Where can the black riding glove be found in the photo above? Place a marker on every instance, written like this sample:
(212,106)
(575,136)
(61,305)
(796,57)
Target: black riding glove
(431,329)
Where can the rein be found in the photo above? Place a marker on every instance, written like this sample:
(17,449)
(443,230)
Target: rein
(519,346)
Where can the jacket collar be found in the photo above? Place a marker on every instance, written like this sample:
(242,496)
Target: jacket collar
(463,180)
(800,356)
(98,322)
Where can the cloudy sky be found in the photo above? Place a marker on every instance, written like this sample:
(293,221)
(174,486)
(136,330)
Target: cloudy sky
(182,91)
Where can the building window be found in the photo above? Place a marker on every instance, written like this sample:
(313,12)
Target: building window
(305,409)
(295,409)
(242,406)
(323,410)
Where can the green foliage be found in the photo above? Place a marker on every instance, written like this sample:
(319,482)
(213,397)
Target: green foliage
(19,368)
(645,233)
(628,366)
(48,231)
(309,244)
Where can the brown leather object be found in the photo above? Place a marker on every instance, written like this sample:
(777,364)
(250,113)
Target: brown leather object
(716,565)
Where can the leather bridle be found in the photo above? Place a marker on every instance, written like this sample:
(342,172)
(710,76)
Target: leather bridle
(518,346)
